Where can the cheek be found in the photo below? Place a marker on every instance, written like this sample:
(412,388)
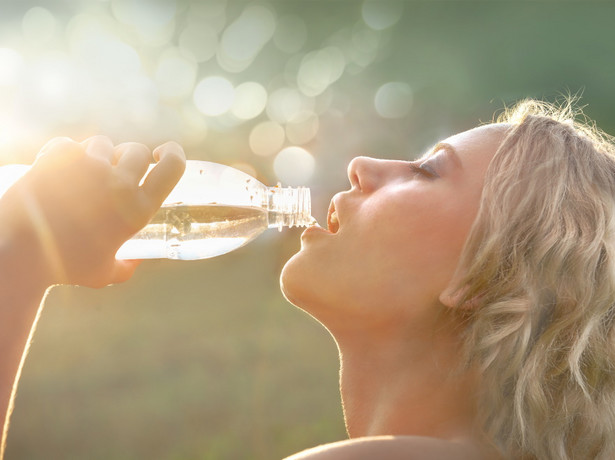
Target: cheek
(385,254)
(446,243)
(420,245)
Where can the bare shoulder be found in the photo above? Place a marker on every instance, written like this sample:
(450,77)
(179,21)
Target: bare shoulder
(394,448)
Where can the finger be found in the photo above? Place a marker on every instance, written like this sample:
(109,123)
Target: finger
(99,147)
(163,177)
(52,144)
(132,159)
(60,147)
(57,144)
(123,270)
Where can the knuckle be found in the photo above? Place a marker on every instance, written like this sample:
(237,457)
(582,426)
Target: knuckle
(58,143)
(170,149)
(133,150)
(60,147)
(137,146)
(98,138)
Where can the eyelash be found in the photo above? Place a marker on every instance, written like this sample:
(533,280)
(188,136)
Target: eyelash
(424,170)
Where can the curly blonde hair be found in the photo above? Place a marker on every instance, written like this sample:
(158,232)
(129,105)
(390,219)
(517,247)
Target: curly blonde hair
(539,269)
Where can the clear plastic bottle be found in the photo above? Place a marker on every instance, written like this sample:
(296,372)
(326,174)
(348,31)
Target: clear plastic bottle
(214,209)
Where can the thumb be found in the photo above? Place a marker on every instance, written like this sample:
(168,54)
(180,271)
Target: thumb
(123,270)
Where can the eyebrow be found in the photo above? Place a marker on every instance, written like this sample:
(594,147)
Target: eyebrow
(449,151)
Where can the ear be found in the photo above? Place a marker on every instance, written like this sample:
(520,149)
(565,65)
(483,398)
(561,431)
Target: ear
(452,297)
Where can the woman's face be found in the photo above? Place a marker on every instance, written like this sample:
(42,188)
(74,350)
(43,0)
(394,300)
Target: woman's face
(394,239)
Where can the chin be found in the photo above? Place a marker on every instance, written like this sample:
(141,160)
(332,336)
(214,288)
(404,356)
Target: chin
(290,280)
(299,283)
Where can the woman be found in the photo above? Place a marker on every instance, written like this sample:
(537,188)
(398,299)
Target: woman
(471,295)
(470,292)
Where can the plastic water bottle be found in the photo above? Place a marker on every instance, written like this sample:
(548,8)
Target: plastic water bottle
(214,209)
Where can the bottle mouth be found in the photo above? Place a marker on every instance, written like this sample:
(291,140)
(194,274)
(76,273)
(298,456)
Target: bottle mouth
(290,207)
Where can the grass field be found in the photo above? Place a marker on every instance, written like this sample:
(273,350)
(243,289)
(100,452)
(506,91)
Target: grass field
(187,360)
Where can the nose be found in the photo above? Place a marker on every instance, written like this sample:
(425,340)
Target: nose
(366,174)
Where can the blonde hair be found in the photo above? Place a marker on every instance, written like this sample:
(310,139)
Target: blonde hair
(539,270)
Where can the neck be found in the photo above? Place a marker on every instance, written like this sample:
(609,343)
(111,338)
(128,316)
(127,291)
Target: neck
(405,383)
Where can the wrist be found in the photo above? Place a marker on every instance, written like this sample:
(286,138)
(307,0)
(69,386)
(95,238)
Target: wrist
(22,259)
(22,268)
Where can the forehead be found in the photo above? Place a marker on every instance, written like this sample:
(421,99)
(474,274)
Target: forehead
(477,146)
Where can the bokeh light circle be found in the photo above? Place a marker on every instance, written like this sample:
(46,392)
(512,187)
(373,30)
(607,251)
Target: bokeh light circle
(393,100)
(266,138)
(245,37)
(144,14)
(214,96)
(302,128)
(294,166)
(319,69)
(38,24)
(366,42)
(175,75)
(381,14)
(153,20)
(285,103)
(250,100)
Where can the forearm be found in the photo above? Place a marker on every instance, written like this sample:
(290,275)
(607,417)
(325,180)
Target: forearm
(22,289)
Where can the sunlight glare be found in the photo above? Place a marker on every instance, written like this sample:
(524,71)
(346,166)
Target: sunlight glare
(99,51)
(11,64)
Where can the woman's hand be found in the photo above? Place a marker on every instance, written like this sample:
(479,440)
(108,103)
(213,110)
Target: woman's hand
(65,219)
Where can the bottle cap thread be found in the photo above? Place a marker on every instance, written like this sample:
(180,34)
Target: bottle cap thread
(289,207)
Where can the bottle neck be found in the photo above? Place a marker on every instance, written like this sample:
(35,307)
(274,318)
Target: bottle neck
(289,207)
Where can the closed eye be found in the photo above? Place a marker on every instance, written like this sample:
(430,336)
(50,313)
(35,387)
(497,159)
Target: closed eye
(424,169)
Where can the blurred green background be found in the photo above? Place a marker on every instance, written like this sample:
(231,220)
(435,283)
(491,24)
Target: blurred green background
(206,359)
